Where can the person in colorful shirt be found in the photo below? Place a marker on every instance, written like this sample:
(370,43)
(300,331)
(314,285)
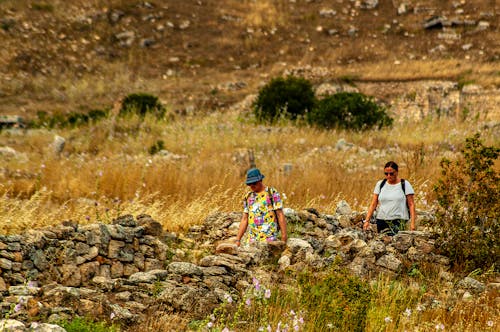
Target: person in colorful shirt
(262,212)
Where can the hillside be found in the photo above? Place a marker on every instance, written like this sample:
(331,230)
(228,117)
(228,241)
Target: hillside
(60,56)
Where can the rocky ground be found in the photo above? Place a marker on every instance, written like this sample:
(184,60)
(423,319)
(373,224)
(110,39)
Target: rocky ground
(209,54)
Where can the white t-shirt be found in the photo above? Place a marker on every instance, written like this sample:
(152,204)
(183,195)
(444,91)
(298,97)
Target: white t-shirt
(392,200)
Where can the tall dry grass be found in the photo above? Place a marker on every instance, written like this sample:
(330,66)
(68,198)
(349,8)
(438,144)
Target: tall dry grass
(108,164)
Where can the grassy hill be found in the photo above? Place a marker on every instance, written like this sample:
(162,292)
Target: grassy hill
(61,56)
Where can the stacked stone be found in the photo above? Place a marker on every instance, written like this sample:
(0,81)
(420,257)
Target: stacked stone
(73,254)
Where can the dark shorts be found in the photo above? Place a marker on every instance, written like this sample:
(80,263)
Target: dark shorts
(390,227)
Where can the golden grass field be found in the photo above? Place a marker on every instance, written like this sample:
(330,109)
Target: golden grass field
(106,170)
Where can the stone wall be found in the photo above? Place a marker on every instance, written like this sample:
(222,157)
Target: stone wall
(130,269)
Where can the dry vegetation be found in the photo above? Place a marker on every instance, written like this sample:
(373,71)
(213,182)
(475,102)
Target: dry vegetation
(63,56)
(106,168)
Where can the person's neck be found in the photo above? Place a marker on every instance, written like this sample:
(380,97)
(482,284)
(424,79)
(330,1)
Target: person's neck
(393,182)
(260,189)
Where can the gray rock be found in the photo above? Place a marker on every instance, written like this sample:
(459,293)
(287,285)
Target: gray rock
(184,269)
(142,277)
(343,207)
(390,262)
(369,4)
(58,144)
(12,325)
(44,327)
(471,285)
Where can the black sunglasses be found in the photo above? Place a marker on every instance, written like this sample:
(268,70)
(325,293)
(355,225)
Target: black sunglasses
(389,173)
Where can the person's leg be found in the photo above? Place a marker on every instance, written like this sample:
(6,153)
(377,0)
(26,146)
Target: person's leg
(382,226)
(394,226)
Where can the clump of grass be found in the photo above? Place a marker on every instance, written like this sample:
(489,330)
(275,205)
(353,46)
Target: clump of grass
(79,324)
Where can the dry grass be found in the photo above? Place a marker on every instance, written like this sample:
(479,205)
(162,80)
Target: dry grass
(109,163)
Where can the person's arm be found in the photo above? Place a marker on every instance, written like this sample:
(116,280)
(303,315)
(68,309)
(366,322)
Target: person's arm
(413,214)
(243,228)
(371,209)
(282,223)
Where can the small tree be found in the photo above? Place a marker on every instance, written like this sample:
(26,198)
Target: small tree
(468,194)
(289,97)
(142,103)
(349,110)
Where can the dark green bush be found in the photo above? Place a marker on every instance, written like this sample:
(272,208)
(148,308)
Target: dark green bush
(468,194)
(289,97)
(72,119)
(156,147)
(141,104)
(349,110)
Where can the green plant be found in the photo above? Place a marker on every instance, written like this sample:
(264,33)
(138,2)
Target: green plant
(42,6)
(79,324)
(71,120)
(349,110)
(141,104)
(340,301)
(468,194)
(156,147)
(288,97)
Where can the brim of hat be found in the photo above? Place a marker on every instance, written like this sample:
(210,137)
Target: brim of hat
(254,179)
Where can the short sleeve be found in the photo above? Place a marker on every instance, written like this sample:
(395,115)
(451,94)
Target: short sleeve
(277,201)
(245,204)
(376,190)
(409,188)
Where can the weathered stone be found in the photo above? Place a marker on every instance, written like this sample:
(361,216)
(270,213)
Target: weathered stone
(472,285)
(227,247)
(115,248)
(104,283)
(125,221)
(129,269)
(3,285)
(403,241)
(116,270)
(5,264)
(151,227)
(89,271)
(122,315)
(70,275)
(142,277)
(390,262)
(184,268)
(12,325)
(45,327)
(152,264)
(343,207)
(58,144)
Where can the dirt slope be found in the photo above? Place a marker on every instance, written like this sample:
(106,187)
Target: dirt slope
(69,55)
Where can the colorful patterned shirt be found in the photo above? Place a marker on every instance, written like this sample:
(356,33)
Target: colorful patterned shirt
(262,220)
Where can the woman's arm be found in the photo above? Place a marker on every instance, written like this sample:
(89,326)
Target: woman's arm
(411,205)
(371,209)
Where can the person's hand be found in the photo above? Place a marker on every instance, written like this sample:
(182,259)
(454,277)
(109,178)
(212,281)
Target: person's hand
(366,225)
(238,242)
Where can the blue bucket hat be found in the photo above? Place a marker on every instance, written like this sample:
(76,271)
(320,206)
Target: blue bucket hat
(254,175)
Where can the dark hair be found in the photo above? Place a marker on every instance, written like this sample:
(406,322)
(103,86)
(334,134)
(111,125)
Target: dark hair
(392,165)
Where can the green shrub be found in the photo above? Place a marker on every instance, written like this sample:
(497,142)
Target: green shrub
(156,147)
(72,119)
(349,110)
(340,301)
(468,194)
(141,104)
(289,97)
(79,324)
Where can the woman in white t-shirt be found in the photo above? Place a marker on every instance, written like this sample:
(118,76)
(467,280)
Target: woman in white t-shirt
(394,198)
